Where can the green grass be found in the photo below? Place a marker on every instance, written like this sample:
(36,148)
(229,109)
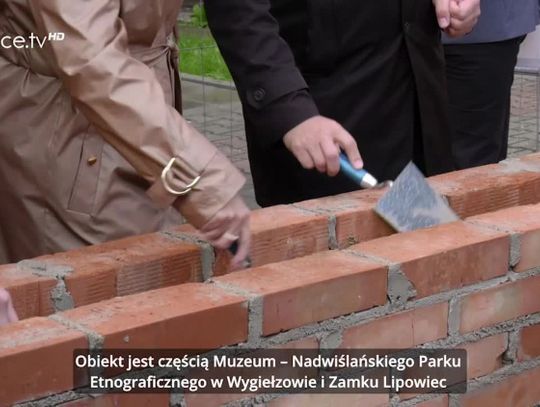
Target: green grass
(199,55)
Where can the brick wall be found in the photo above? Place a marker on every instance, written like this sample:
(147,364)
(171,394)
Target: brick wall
(326,273)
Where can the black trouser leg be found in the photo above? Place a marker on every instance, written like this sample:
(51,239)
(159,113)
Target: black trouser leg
(480,78)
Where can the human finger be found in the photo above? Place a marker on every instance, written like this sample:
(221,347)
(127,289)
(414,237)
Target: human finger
(442,10)
(331,154)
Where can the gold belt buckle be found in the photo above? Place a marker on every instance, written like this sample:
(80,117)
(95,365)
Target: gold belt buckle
(171,190)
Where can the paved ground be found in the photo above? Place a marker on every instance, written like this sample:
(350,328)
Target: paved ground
(216,111)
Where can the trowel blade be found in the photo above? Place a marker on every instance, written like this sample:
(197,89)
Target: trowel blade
(412,204)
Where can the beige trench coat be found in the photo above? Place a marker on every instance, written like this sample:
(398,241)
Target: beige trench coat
(87,125)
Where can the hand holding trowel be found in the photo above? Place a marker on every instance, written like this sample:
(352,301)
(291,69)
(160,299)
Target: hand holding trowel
(409,204)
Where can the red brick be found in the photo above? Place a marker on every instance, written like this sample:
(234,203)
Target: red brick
(185,317)
(222,262)
(159,262)
(128,266)
(517,391)
(529,343)
(446,257)
(222,258)
(356,221)
(92,287)
(499,304)
(414,328)
(529,162)
(489,188)
(278,233)
(534,158)
(485,355)
(211,400)
(331,400)
(93,278)
(119,400)
(441,401)
(30,294)
(284,232)
(312,288)
(524,220)
(437,402)
(36,359)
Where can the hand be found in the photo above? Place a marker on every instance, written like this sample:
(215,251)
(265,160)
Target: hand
(316,143)
(230,224)
(7,312)
(457,17)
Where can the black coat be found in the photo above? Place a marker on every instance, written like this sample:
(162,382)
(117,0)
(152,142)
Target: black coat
(376,67)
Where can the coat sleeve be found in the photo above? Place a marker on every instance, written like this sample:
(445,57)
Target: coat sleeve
(123,99)
(274,93)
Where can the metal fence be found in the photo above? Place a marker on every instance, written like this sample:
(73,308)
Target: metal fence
(525,114)
(212,105)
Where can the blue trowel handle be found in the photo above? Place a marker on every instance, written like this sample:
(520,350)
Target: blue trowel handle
(361,177)
(351,172)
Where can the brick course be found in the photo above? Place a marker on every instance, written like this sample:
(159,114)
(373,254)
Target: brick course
(325,273)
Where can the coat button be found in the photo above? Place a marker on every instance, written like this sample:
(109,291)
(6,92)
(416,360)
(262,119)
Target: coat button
(407,27)
(92,160)
(259,94)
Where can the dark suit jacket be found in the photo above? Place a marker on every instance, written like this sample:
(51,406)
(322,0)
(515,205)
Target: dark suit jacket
(374,66)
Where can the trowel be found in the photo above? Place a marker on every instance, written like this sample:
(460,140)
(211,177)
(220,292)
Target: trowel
(409,204)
